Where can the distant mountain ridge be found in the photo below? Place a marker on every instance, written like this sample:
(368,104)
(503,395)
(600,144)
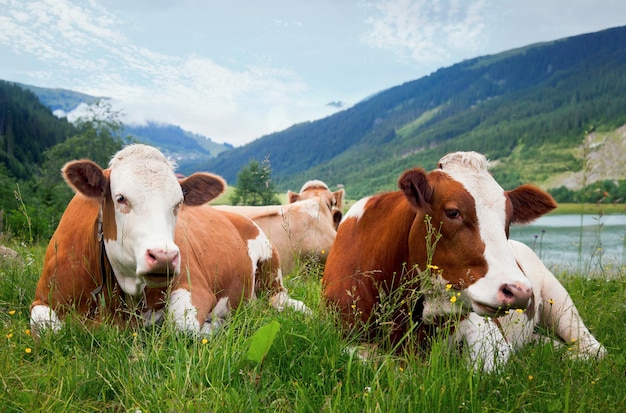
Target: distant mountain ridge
(181,145)
(527,109)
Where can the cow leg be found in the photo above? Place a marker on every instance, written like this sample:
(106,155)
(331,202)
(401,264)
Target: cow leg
(558,312)
(43,318)
(269,276)
(196,321)
(279,298)
(561,316)
(484,341)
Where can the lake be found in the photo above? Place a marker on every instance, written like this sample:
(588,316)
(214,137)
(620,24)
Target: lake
(556,239)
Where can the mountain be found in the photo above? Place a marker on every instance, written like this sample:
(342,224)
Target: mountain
(527,109)
(27,129)
(60,99)
(181,145)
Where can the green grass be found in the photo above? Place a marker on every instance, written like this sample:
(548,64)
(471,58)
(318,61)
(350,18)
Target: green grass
(104,368)
(593,209)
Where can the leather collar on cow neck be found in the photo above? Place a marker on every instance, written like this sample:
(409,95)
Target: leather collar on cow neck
(103,260)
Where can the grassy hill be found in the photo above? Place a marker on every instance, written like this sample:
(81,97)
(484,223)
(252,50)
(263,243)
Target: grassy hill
(527,109)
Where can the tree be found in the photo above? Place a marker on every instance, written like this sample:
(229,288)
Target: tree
(254,185)
(47,195)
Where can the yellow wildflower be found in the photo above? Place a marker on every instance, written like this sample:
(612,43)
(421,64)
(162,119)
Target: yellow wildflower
(11,312)
(27,332)
(432,267)
(530,377)
(519,310)
(9,335)
(204,341)
(28,350)
(550,301)
(453,299)
(448,286)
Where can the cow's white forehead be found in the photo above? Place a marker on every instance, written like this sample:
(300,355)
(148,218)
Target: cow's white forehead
(470,169)
(137,153)
(148,167)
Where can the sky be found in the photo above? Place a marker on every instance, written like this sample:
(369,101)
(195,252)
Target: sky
(237,70)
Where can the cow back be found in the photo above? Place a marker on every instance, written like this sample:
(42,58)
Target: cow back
(371,241)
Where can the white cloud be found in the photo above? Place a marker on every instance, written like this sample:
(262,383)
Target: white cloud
(426,32)
(84,45)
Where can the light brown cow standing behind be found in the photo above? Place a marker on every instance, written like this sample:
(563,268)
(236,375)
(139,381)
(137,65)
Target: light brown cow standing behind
(302,230)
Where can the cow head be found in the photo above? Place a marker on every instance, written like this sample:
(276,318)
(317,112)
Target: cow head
(140,197)
(318,189)
(473,214)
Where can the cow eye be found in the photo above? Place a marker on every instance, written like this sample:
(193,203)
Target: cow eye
(120,199)
(453,213)
(176,208)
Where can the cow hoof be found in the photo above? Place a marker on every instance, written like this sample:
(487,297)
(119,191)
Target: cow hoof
(211,328)
(43,318)
(281,300)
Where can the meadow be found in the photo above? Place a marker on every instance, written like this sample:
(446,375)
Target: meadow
(305,367)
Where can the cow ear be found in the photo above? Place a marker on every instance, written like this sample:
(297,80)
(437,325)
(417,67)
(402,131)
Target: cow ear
(337,216)
(200,188)
(293,197)
(414,184)
(338,197)
(85,177)
(529,203)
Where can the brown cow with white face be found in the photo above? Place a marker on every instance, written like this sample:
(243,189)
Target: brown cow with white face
(137,221)
(303,229)
(383,237)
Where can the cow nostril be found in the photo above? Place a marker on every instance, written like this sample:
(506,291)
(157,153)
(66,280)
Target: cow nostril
(515,295)
(508,294)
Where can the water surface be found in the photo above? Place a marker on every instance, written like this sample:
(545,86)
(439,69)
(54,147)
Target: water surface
(557,240)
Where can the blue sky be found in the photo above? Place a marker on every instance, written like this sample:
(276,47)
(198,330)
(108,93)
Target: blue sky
(236,70)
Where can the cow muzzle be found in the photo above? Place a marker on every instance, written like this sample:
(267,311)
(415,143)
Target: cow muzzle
(515,295)
(509,296)
(160,265)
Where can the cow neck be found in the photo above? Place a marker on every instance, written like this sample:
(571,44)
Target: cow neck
(105,275)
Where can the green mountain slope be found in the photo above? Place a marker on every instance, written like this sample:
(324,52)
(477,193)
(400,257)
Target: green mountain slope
(60,99)
(27,129)
(526,109)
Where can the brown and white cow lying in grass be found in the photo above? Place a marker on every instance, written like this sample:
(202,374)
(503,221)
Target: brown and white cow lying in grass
(134,238)
(490,342)
(384,243)
(302,230)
